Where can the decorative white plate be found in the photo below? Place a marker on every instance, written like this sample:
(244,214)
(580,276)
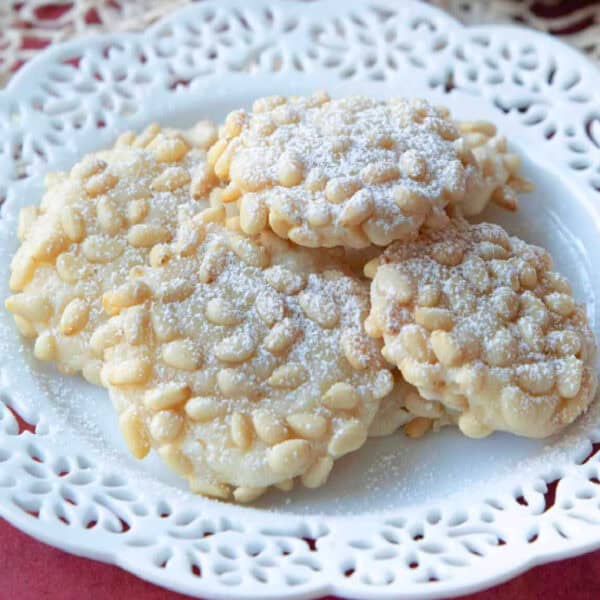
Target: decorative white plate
(413,519)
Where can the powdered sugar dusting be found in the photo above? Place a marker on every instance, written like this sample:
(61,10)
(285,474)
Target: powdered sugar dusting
(270,336)
(339,171)
(478,321)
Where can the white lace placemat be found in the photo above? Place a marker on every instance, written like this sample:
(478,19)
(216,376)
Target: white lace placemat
(574,21)
(30,26)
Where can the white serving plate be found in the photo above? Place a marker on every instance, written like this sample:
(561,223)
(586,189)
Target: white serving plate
(436,517)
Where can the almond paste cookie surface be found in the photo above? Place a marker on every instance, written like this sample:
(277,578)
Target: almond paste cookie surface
(352,171)
(243,361)
(478,321)
(92,227)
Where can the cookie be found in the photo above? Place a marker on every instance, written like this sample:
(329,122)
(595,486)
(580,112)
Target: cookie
(480,322)
(351,172)
(93,226)
(404,407)
(498,177)
(242,360)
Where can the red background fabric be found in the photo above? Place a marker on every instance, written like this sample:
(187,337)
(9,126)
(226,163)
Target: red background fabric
(30,570)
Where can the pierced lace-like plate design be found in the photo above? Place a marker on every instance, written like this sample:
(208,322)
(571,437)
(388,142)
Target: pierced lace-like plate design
(437,516)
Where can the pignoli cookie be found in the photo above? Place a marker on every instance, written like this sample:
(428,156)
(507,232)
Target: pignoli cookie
(94,225)
(349,172)
(242,360)
(480,322)
(404,407)
(498,177)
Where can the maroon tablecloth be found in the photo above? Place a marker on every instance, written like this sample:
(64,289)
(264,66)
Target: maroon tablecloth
(30,570)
